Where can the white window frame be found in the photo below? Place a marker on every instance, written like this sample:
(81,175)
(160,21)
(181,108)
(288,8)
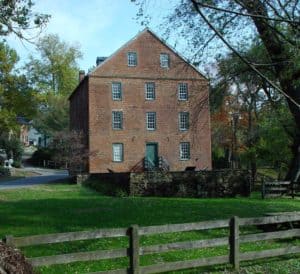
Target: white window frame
(183,93)
(185,151)
(150,91)
(164,60)
(117,120)
(117,152)
(131,59)
(184,120)
(116,91)
(151,120)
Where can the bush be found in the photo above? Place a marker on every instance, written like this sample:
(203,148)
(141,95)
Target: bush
(2,161)
(40,155)
(17,164)
(106,188)
(4,171)
(13,148)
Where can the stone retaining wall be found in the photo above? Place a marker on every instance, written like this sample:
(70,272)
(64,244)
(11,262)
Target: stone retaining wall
(197,184)
(221,183)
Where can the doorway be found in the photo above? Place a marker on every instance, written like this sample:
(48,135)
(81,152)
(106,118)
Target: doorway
(152,154)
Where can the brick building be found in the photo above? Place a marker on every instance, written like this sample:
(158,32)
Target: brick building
(143,107)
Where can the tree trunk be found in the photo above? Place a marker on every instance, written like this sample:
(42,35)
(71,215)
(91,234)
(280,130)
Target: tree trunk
(287,75)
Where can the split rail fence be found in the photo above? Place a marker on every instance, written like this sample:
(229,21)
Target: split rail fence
(279,188)
(134,250)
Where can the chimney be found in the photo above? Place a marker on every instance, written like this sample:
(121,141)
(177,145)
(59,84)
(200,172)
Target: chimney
(81,75)
(99,60)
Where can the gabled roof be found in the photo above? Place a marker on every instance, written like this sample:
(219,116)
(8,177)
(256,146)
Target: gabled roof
(23,121)
(158,38)
(126,44)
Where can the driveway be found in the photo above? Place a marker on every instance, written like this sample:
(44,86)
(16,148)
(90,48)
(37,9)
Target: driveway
(46,176)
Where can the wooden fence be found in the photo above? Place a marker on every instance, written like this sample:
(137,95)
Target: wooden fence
(52,164)
(134,250)
(275,189)
(279,188)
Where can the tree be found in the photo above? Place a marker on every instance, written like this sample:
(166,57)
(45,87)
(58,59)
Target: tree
(255,101)
(55,75)
(269,150)
(69,149)
(16,17)
(17,98)
(13,149)
(275,22)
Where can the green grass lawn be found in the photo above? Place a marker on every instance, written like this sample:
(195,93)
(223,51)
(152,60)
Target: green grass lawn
(64,208)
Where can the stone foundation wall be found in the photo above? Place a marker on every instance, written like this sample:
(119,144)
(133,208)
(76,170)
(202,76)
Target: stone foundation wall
(201,184)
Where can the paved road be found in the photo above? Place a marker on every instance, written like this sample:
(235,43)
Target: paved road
(47,176)
(31,181)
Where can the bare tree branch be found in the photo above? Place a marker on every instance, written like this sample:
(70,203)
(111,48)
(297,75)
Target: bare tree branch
(196,5)
(245,14)
(214,35)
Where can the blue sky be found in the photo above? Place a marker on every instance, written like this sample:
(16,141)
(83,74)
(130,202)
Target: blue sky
(99,26)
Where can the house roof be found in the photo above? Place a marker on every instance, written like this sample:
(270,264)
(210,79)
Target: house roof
(23,121)
(158,38)
(135,37)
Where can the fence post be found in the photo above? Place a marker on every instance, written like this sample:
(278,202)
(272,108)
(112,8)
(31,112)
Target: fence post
(9,240)
(234,243)
(134,248)
(263,188)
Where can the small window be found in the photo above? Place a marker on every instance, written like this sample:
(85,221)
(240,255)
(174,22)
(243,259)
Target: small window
(117,119)
(132,59)
(184,120)
(164,60)
(151,120)
(182,91)
(184,151)
(150,91)
(116,90)
(117,152)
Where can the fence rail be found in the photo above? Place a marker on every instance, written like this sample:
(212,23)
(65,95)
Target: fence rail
(134,250)
(52,164)
(275,189)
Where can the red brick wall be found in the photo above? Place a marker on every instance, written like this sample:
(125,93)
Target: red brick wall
(79,109)
(134,135)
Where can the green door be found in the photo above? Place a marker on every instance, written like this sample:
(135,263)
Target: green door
(152,154)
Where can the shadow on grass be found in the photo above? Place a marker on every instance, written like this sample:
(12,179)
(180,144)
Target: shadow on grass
(64,208)
(75,211)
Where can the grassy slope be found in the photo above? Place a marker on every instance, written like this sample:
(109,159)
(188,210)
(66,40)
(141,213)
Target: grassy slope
(63,208)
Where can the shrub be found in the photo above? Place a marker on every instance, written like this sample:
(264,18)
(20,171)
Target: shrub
(40,155)
(13,148)
(17,164)
(4,171)
(1,161)
(106,188)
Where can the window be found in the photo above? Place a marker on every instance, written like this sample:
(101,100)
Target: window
(116,90)
(182,91)
(132,59)
(184,120)
(117,152)
(184,151)
(151,120)
(164,59)
(150,91)
(117,119)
